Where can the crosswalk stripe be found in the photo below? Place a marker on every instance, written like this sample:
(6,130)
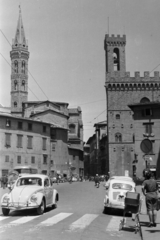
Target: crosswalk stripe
(55,219)
(83,222)
(114,224)
(3,218)
(23,220)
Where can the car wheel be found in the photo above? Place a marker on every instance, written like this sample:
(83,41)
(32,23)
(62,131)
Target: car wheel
(55,204)
(5,211)
(41,208)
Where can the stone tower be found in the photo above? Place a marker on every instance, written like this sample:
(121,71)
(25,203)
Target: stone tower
(19,69)
(122,90)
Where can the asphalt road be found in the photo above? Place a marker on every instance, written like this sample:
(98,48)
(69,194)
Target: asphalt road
(79,216)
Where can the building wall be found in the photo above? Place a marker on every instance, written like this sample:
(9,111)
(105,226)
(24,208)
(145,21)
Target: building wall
(122,90)
(52,117)
(140,135)
(59,155)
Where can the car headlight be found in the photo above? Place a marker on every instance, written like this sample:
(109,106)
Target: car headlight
(33,198)
(6,199)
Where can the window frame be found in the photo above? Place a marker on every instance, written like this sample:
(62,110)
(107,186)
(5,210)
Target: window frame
(118,137)
(7,139)
(29,142)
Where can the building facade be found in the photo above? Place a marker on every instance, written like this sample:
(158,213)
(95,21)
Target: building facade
(146,117)
(121,91)
(37,132)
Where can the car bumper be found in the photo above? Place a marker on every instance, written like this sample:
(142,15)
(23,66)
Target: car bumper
(19,206)
(117,206)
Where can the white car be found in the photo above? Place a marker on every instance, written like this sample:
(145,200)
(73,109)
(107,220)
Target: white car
(116,193)
(30,191)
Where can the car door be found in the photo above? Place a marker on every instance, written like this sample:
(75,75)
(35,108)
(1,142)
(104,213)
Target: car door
(50,191)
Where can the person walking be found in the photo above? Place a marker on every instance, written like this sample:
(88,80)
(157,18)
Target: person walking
(150,191)
(4,181)
(97,180)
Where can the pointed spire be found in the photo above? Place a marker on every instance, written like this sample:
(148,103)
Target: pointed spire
(20,35)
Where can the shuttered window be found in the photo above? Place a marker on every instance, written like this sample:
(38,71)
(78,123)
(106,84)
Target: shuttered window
(19,141)
(30,142)
(44,143)
(8,140)
(6,158)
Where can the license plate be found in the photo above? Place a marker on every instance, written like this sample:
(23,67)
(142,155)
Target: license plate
(121,199)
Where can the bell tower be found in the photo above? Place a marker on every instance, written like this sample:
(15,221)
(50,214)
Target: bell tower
(19,69)
(115,53)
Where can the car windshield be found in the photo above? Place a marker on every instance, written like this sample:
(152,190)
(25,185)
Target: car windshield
(123,186)
(29,181)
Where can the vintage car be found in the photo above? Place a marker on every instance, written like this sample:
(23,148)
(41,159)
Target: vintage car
(116,192)
(30,191)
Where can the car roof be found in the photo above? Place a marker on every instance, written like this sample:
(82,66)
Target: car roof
(122,177)
(121,181)
(34,175)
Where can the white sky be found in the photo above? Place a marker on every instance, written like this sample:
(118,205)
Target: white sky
(66,45)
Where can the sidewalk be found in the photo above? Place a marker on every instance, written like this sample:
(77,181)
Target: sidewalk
(152,232)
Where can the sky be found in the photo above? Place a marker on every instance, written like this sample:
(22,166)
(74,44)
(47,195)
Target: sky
(66,45)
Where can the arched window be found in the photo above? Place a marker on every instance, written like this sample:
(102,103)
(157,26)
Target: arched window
(16,66)
(23,66)
(117,116)
(15,85)
(23,85)
(118,137)
(116,61)
(144,100)
(15,104)
(72,128)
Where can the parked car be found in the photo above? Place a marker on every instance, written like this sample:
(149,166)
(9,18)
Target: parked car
(30,191)
(53,179)
(116,192)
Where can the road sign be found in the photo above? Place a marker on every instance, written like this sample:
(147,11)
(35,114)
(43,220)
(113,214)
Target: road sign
(146,145)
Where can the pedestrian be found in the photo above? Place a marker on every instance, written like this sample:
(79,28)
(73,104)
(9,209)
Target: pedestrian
(150,190)
(4,181)
(97,180)
(57,179)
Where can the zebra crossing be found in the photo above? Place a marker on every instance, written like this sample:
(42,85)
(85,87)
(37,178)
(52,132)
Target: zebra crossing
(77,225)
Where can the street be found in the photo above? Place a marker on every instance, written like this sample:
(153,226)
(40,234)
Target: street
(79,215)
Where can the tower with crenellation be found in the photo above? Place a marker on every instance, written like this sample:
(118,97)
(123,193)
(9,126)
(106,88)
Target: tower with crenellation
(121,91)
(19,69)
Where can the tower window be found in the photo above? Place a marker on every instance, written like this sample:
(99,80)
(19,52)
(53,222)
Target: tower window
(144,100)
(116,61)
(72,128)
(23,67)
(117,116)
(23,85)
(118,137)
(15,104)
(16,66)
(15,85)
